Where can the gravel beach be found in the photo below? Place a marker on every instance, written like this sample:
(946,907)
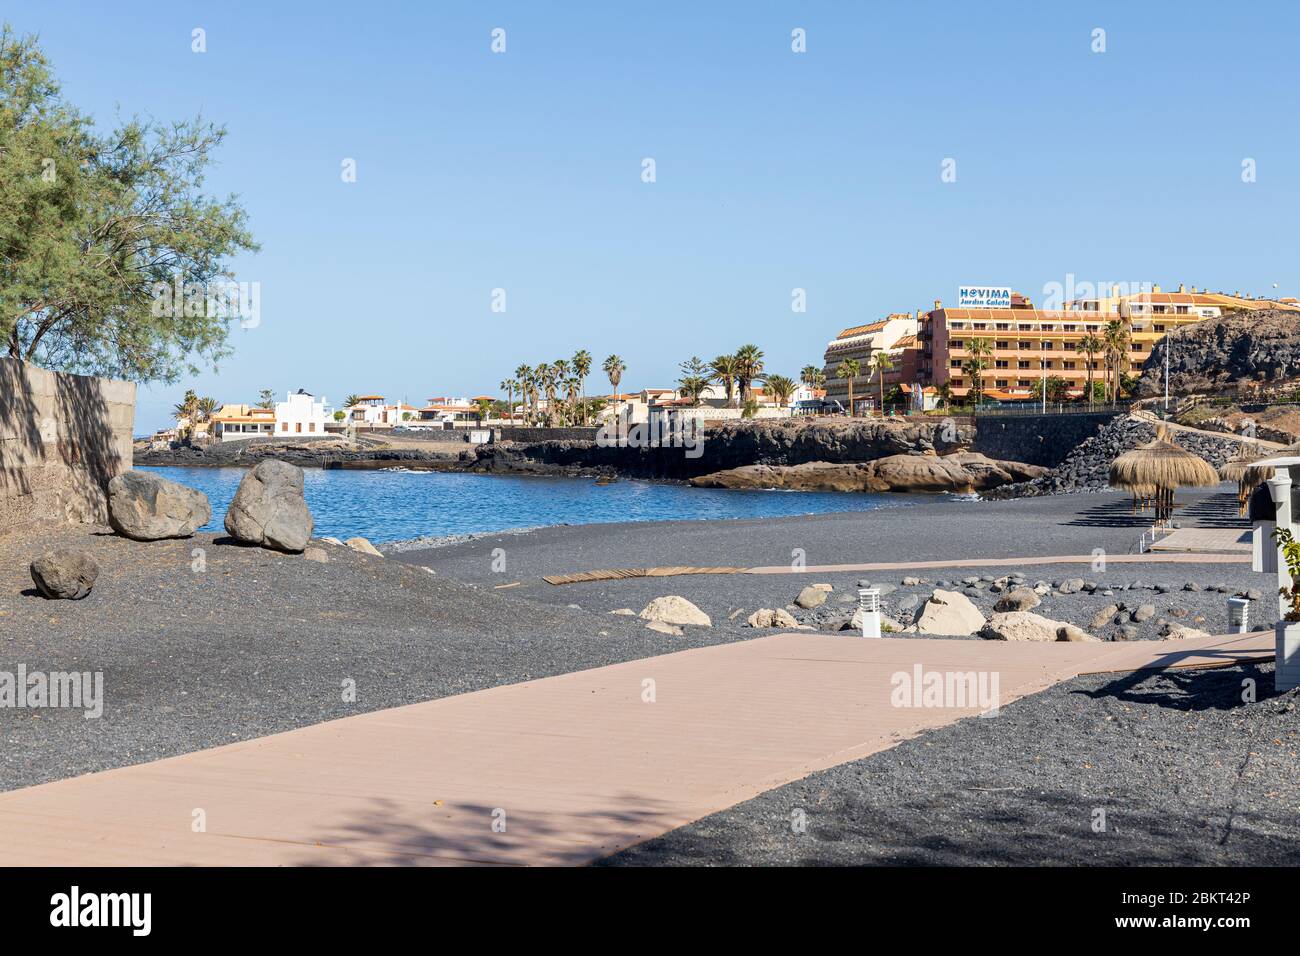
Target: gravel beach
(203,642)
(915,530)
(260,642)
(1151,769)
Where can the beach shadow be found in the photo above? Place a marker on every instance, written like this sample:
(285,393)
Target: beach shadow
(1193,688)
(1215,511)
(1112,514)
(458,834)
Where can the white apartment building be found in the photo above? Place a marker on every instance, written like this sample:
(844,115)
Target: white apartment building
(301,413)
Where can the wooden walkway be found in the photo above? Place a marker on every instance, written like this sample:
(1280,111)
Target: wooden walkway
(568,768)
(1206,541)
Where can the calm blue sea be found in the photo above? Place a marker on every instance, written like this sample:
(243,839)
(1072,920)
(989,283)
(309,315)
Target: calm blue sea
(398,505)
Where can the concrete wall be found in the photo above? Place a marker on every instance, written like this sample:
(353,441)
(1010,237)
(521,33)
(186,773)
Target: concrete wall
(62,437)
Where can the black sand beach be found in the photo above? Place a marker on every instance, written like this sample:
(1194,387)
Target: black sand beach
(258,642)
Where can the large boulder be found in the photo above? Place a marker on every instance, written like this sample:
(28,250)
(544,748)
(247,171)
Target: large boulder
(1020,599)
(950,614)
(269,509)
(66,573)
(144,506)
(1025,626)
(673,609)
(769,617)
(811,597)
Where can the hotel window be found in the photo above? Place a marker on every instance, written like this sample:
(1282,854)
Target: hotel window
(1068,346)
(1067,328)
(954,363)
(1001,363)
(1181,310)
(1046,346)
(999,383)
(1023,363)
(1004,345)
(957,344)
(1159,328)
(1137,346)
(1024,345)
(284,426)
(1023,382)
(1158,309)
(1067,365)
(1002,326)
(1048,327)
(956,325)
(1093,328)
(979,325)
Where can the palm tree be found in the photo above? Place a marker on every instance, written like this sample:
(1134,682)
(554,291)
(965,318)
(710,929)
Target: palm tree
(582,366)
(979,351)
(849,369)
(749,358)
(351,400)
(266,399)
(1090,345)
(812,376)
(524,375)
(508,386)
(880,364)
(1116,337)
(614,367)
(944,391)
(780,387)
(725,371)
(205,407)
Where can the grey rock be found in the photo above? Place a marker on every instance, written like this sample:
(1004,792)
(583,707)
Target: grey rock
(1144,613)
(269,509)
(143,506)
(910,582)
(1191,586)
(66,573)
(811,597)
(1127,633)
(1104,616)
(1021,599)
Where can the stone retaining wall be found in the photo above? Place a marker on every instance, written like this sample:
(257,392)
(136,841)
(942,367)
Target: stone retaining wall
(62,437)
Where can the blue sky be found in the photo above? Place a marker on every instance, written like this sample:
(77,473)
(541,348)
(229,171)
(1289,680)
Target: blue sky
(775,170)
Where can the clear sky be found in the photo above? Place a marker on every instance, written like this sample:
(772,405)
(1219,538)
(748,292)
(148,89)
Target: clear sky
(775,170)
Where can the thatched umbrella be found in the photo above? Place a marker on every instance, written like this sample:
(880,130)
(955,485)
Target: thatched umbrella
(1239,468)
(1164,466)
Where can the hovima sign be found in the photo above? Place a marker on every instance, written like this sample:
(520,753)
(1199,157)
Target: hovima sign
(983,297)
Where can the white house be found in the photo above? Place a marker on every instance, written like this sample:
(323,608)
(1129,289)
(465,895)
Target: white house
(301,413)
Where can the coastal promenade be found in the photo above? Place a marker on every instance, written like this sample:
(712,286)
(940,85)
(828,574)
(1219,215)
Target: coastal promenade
(562,770)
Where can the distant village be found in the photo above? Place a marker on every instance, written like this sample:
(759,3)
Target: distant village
(996,348)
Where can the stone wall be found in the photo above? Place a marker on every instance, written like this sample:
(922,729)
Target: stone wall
(62,437)
(1036,439)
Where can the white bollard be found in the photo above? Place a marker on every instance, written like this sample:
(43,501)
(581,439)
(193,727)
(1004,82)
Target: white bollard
(869,605)
(1238,615)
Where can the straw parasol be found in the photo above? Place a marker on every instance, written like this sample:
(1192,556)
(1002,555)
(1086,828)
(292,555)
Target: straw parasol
(1163,466)
(1239,468)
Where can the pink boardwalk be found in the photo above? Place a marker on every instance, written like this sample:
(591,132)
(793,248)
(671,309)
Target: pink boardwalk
(572,767)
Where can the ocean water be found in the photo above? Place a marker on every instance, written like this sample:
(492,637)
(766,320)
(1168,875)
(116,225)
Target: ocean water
(401,505)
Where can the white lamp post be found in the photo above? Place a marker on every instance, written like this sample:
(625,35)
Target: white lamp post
(869,607)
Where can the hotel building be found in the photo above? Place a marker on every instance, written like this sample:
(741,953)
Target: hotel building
(860,342)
